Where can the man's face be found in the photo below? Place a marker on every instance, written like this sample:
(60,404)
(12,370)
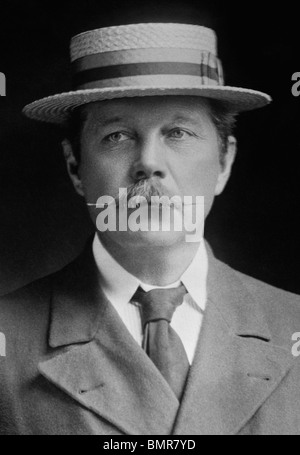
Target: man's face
(170,139)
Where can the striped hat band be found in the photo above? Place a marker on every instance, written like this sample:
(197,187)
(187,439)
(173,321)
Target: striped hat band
(134,66)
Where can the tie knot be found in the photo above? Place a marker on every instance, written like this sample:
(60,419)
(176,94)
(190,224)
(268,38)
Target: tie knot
(159,304)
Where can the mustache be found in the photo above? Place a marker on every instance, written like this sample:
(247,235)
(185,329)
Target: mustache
(141,191)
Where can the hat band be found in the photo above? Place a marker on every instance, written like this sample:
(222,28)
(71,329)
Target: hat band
(108,68)
(145,69)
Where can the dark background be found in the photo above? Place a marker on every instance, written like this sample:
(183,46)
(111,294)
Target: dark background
(254,225)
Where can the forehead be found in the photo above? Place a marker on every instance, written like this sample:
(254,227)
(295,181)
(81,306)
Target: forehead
(148,109)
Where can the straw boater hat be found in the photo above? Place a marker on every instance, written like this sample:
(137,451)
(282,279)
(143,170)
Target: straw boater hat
(144,60)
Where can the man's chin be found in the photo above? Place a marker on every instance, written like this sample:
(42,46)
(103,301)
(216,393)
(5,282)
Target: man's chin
(144,238)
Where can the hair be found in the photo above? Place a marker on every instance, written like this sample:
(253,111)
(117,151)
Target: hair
(222,115)
(74,130)
(224,118)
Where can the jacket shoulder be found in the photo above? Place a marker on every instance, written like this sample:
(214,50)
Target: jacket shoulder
(281,308)
(267,291)
(24,305)
(35,298)
(30,302)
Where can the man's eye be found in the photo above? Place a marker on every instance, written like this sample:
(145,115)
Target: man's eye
(180,134)
(117,137)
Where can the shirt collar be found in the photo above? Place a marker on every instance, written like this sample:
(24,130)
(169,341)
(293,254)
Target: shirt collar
(119,285)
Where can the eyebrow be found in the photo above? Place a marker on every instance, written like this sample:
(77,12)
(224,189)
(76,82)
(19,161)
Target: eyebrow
(99,122)
(109,121)
(186,118)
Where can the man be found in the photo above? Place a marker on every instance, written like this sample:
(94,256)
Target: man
(146,332)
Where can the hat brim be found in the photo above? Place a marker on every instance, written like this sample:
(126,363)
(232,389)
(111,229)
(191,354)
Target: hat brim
(57,108)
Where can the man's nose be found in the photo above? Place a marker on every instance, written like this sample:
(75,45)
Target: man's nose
(150,160)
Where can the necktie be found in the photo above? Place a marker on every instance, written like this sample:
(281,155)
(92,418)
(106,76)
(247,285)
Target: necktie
(161,342)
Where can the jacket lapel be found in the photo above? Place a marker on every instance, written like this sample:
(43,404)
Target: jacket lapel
(236,366)
(96,361)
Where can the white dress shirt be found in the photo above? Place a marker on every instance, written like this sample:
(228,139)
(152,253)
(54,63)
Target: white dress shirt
(119,287)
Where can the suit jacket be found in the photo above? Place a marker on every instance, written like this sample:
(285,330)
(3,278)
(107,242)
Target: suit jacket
(71,366)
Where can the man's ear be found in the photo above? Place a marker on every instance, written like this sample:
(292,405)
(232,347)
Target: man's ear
(226,166)
(72,166)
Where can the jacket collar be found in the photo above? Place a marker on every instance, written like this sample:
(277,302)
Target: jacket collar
(239,307)
(76,309)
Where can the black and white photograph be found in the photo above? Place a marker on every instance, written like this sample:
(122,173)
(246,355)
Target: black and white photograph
(149,220)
